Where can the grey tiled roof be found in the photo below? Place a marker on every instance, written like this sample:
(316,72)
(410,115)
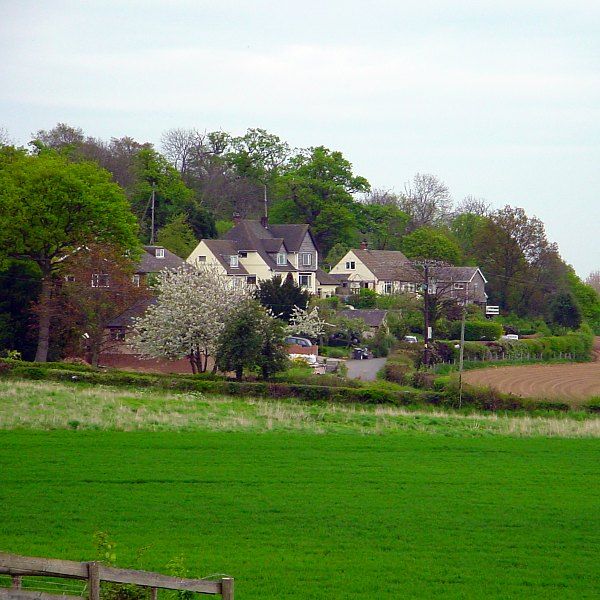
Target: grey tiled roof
(223,249)
(325,278)
(458,274)
(150,264)
(372,317)
(125,319)
(388,265)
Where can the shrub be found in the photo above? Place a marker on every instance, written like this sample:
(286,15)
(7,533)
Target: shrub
(381,343)
(477,330)
(397,372)
(334,351)
(364,299)
(423,380)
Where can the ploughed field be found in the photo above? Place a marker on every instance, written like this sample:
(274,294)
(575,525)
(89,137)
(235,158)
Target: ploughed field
(299,514)
(569,381)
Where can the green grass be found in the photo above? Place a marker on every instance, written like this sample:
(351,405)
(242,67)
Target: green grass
(45,405)
(302,515)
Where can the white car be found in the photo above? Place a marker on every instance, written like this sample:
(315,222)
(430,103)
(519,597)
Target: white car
(411,339)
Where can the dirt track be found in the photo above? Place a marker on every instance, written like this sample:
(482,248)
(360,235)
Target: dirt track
(568,381)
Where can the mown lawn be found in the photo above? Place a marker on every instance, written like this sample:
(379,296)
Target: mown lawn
(305,515)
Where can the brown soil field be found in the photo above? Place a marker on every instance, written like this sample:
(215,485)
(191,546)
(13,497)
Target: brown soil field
(559,381)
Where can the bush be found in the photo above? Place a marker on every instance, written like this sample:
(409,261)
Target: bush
(334,351)
(381,343)
(364,299)
(477,330)
(423,380)
(397,372)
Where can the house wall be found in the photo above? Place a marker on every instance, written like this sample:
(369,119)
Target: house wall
(255,265)
(203,250)
(307,246)
(361,273)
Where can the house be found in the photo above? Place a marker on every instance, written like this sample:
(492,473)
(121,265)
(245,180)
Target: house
(463,284)
(384,271)
(253,251)
(389,271)
(374,318)
(153,260)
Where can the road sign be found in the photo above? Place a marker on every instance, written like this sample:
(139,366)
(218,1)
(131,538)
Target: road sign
(492,310)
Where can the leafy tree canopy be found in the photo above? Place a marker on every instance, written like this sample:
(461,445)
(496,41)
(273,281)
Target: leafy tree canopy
(177,236)
(281,297)
(427,242)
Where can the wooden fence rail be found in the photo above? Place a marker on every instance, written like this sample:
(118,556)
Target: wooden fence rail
(94,573)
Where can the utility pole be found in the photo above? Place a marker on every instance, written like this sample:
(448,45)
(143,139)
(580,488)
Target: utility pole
(462,354)
(152,215)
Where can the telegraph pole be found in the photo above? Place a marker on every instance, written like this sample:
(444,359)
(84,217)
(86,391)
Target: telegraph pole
(152,215)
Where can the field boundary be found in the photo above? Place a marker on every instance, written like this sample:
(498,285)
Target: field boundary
(95,572)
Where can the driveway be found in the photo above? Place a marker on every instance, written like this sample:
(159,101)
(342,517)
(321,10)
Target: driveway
(365,369)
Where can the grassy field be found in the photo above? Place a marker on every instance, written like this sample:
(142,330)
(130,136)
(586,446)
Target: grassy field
(304,501)
(47,405)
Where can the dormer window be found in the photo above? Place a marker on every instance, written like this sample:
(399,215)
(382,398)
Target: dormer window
(159,253)
(281,258)
(234,261)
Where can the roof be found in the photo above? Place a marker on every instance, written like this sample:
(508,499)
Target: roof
(125,319)
(325,278)
(223,249)
(373,317)
(150,264)
(459,274)
(388,265)
(250,236)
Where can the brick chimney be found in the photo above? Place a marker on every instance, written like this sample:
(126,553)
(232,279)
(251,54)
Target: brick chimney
(236,218)
(264,221)
(364,245)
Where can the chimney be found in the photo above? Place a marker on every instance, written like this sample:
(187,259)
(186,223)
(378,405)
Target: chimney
(264,221)
(236,218)
(364,245)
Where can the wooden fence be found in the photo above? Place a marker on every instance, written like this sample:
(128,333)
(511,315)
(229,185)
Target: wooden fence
(94,573)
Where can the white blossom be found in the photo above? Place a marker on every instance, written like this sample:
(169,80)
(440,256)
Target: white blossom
(189,314)
(307,323)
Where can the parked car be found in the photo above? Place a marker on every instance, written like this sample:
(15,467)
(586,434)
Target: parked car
(298,341)
(410,339)
(361,353)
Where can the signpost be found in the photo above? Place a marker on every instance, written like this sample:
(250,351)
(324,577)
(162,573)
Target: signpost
(492,310)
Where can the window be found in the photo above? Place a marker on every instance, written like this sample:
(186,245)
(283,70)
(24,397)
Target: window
(388,287)
(233,261)
(251,280)
(243,254)
(281,258)
(135,279)
(306,259)
(201,259)
(100,280)
(160,253)
(70,278)
(304,280)
(409,287)
(459,286)
(350,264)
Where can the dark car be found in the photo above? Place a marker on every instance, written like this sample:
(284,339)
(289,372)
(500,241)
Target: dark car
(298,341)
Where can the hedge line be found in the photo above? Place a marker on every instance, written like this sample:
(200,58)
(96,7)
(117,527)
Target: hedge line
(481,399)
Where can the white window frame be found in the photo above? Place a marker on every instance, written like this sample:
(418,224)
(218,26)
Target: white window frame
(459,286)
(350,265)
(234,261)
(100,280)
(135,279)
(308,276)
(306,259)
(281,259)
(201,259)
(160,253)
(388,287)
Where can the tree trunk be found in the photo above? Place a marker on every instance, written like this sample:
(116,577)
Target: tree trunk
(45,315)
(238,373)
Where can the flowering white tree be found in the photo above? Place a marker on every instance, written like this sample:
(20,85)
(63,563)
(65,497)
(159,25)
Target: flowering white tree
(306,322)
(190,313)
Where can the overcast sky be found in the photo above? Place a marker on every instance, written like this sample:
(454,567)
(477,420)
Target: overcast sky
(499,99)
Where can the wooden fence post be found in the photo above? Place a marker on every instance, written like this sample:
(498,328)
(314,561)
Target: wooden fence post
(227,588)
(153,593)
(93,581)
(17,582)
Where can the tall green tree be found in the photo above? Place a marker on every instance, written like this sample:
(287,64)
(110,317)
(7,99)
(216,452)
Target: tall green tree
(252,340)
(280,297)
(51,207)
(177,236)
(316,187)
(427,242)
(565,311)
